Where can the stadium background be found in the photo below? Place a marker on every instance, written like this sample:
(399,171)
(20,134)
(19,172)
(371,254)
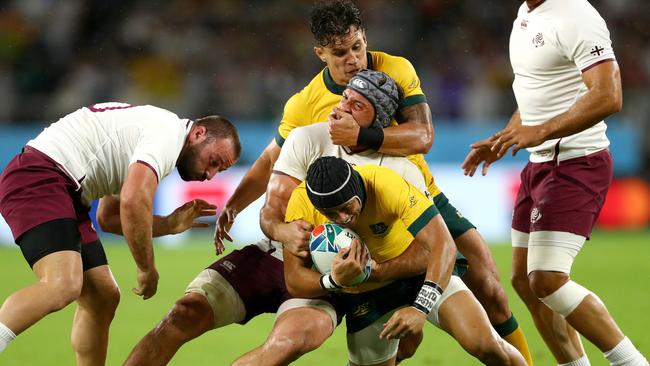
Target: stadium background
(243,59)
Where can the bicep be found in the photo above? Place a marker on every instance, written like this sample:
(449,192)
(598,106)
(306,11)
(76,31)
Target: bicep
(419,114)
(141,181)
(279,191)
(604,76)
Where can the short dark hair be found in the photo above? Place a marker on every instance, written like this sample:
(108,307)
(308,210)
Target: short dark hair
(221,128)
(331,19)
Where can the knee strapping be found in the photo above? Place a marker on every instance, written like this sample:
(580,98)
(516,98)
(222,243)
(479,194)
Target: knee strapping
(566,298)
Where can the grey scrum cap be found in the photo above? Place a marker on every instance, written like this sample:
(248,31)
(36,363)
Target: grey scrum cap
(381,90)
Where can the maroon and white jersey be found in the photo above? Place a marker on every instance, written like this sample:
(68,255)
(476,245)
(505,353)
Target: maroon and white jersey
(551,46)
(96,145)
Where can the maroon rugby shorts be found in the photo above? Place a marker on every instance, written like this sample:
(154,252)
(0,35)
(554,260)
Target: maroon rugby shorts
(564,197)
(35,190)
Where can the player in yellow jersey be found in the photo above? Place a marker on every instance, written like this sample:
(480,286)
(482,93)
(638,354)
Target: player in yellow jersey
(392,217)
(341,44)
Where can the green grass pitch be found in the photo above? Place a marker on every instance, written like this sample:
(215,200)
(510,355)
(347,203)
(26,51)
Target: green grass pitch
(614,265)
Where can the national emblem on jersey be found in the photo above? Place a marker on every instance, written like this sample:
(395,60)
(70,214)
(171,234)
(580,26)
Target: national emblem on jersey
(535,215)
(538,41)
(379,228)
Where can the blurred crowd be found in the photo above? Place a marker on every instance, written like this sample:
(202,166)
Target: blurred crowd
(243,59)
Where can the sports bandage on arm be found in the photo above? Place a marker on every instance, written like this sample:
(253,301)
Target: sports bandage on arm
(371,137)
(327,283)
(427,297)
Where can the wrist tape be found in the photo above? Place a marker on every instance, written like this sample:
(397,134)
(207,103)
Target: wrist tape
(327,283)
(427,297)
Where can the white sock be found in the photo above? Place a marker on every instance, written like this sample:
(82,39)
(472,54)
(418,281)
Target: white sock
(6,336)
(582,361)
(625,354)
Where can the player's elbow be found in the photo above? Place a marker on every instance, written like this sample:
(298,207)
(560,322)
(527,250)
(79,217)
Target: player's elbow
(615,103)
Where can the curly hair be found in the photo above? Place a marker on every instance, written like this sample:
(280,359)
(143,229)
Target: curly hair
(331,19)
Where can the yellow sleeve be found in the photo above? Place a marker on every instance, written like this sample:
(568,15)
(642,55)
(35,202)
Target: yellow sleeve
(401,198)
(294,116)
(403,72)
(300,208)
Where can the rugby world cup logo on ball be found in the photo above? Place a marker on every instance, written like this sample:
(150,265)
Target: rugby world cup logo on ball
(326,240)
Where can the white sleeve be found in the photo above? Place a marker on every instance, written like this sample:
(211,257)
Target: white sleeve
(298,152)
(159,147)
(585,42)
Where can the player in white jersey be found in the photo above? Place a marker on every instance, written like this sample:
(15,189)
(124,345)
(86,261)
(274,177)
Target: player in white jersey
(566,82)
(118,153)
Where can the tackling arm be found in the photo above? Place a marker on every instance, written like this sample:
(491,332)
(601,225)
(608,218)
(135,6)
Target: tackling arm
(413,134)
(294,236)
(301,281)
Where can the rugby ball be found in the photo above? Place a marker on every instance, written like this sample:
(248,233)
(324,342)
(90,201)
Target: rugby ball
(326,240)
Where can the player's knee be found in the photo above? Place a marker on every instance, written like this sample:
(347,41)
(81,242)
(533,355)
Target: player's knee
(63,291)
(190,315)
(408,346)
(543,283)
(487,349)
(520,283)
(302,337)
(566,298)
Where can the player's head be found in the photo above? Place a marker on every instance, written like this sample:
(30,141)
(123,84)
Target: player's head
(372,98)
(211,146)
(335,189)
(340,38)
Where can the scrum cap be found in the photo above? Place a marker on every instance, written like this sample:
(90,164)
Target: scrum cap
(381,90)
(332,182)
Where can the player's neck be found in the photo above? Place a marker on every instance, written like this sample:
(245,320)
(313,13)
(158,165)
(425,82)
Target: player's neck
(532,4)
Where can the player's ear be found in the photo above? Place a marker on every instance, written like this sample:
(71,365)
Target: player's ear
(320,53)
(198,134)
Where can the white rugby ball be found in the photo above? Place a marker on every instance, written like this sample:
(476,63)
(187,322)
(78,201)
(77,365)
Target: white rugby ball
(326,240)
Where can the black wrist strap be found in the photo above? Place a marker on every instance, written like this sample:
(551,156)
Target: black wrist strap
(371,137)
(427,297)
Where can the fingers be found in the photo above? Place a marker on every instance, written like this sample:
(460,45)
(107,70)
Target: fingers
(484,171)
(219,248)
(200,224)
(393,329)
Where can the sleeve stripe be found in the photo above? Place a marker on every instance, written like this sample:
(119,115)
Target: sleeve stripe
(150,167)
(421,221)
(279,139)
(597,63)
(412,100)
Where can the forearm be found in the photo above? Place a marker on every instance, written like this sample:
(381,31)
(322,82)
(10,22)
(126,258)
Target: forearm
(515,120)
(301,281)
(252,186)
(271,222)
(412,262)
(137,223)
(413,134)
(592,108)
(441,263)
(113,225)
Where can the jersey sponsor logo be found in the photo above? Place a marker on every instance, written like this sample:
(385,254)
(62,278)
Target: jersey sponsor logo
(412,201)
(228,265)
(538,41)
(378,228)
(535,215)
(524,24)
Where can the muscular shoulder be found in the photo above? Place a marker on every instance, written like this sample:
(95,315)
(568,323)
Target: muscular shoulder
(402,71)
